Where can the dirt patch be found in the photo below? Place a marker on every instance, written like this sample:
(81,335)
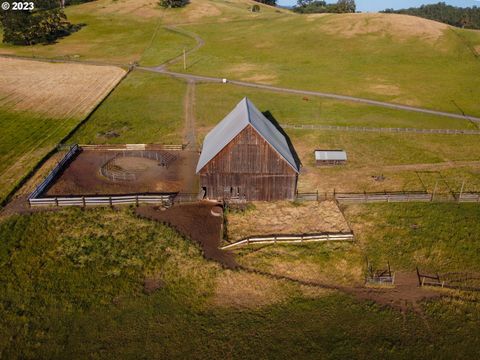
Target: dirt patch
(398,26)
(247,290)
(126,174)
(267,218)
(152,284)
(196,222)
(383,89)
(252,73)
(405,295)
(54,89)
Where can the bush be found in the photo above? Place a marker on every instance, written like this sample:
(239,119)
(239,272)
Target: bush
(255,8)
(173,3)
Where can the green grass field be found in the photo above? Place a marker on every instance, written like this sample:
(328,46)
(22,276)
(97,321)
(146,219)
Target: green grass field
(26,138)
(383,62)
(215,101)
(410,235)
(72,287)
(145,108)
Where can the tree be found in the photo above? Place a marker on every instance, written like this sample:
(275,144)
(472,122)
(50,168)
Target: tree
(44,24)
(317,6)
(268,2)
(173,3)
(346,6)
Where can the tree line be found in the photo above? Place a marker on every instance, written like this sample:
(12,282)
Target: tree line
(318,6)
(456,16)
(44,24)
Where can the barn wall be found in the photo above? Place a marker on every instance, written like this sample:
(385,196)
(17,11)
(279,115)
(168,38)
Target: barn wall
(249,167)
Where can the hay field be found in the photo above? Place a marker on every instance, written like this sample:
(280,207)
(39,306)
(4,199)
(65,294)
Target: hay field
(40,103)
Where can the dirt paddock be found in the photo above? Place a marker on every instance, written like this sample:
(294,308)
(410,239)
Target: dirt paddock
(99,172)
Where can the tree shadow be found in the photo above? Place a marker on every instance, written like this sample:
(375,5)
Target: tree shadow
(275,123)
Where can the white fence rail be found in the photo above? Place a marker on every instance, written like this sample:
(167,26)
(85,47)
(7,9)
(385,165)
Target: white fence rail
(383,130)
(291,239)
(102,200)
(44,184)
(388,197)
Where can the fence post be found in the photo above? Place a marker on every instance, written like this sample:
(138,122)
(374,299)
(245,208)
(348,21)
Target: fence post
(136,200)
(317,195)
(111,203)
(461,191)
(83,201)
(418,275)
(56,201)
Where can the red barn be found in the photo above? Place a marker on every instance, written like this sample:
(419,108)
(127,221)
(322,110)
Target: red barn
(247,157)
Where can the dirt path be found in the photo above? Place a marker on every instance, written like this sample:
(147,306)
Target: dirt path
(196,222)
(404,296)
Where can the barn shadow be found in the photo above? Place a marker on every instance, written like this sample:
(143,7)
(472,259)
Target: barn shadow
(275,123)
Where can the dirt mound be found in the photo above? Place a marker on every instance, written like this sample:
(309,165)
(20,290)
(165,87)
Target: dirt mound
(196,222)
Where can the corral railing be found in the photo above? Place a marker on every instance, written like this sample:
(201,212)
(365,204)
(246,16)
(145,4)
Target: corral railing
(383,130)
(383,197)
(374,197)
(455,281)
(55,171)
(103,200)
(292,239)
(133,147)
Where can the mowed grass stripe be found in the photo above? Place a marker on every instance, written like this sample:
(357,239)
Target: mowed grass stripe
(41,103)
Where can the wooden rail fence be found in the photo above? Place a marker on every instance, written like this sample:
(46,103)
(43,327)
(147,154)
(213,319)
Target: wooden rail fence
(52,175)
(383,130)
(292,239)
(102,200)
(133,147)
(414,196)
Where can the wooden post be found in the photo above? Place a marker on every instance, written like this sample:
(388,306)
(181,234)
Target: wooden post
(461,190)
(434,190)
(56,201)
(317,195)
(111,203)
(184,59)
(136,200)
(418,275)
(83,201)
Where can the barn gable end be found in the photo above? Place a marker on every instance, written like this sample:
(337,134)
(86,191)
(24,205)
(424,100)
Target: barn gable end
(249,159)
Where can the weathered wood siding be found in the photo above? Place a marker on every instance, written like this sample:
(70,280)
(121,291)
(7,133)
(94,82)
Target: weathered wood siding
(248,167)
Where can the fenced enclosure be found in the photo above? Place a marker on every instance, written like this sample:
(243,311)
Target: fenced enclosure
(462,281)
(379,276)
(291,239)
(160,153)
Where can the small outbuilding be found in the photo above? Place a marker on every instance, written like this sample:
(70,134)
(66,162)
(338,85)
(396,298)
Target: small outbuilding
(246,156)
(330,157)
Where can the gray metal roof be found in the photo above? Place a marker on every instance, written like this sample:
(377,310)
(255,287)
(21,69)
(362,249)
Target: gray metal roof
(244,114)
(339,155)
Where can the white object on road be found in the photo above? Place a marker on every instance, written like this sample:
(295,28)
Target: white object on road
(224,80)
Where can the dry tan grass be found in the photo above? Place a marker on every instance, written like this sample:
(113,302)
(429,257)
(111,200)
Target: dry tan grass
(286,218)
(246,290)
(398,26)
(253,73)
(55,90)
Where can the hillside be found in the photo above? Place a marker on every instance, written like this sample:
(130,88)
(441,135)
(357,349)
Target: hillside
(395,58)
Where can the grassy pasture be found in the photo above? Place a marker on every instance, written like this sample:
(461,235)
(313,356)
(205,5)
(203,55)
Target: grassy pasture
(398,59)
(40,104)
(215,101)
(436,237)
(72,287)
(145,108)
(447,159)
